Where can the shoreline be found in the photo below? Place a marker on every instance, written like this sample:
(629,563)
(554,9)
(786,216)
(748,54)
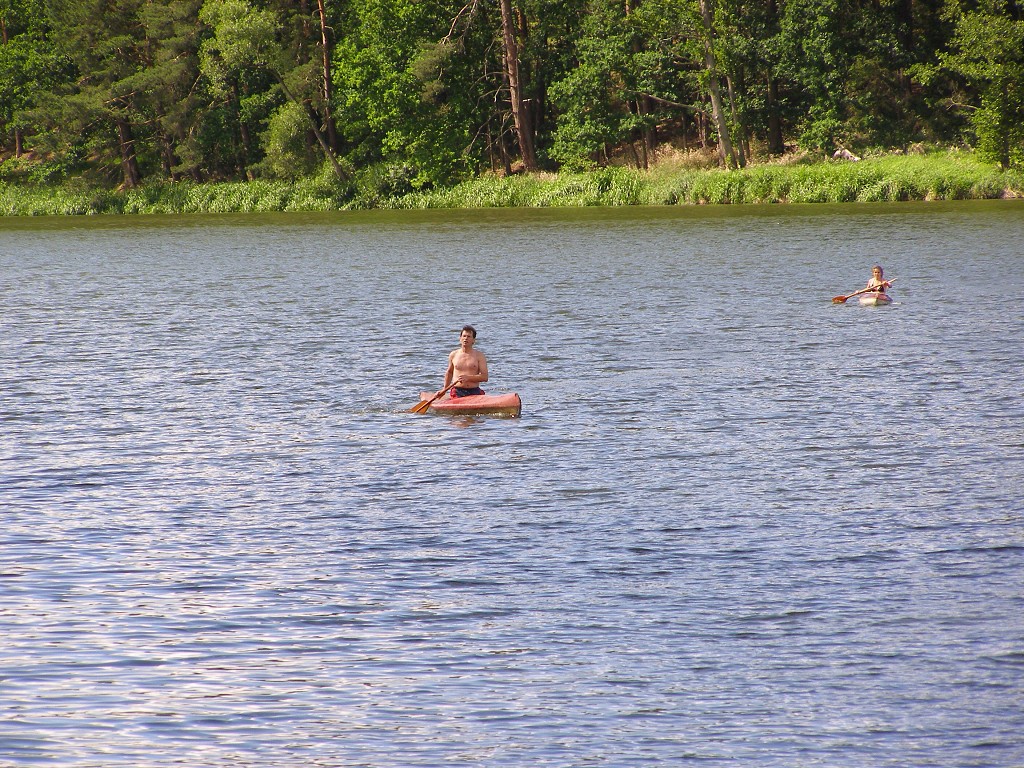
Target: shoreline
(896,178)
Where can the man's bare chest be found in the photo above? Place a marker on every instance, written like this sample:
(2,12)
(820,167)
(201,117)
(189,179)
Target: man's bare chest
(466,361)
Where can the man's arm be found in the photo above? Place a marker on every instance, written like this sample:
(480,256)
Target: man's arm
(481,375)
(449,373)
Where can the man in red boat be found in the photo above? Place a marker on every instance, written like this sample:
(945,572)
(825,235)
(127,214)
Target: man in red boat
(467,367)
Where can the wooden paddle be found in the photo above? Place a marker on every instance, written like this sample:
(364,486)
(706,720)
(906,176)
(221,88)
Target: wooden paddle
(423,405)
(842,299)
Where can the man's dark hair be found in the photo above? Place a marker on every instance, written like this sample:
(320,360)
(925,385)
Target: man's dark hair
(471,329)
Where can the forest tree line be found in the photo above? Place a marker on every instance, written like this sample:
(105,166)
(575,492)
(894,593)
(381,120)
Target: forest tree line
(427,92)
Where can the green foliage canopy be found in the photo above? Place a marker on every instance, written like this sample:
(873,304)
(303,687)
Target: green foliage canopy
(407,95)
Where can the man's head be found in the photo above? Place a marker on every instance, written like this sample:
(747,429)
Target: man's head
(470,330)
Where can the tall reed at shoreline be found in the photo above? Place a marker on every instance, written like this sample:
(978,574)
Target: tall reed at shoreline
(945,176)
(888,179)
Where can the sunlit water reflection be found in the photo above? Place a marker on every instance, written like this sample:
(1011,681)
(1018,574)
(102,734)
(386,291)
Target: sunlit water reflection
(735,523)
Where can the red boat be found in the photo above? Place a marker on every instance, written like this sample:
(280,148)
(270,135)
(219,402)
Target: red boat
(495,405)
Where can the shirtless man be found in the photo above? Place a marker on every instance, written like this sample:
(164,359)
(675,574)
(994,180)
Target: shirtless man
(467,367)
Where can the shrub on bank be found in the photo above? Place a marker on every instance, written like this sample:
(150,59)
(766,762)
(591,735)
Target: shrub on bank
(888,179)
(947,176)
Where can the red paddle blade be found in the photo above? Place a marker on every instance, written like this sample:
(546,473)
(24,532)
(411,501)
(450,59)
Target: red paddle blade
(839,299)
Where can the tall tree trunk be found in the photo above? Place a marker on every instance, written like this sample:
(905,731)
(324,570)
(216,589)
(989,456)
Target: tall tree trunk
(17,131)
(742,154)
(490,147)
(632,151)
(905,38)
(643,102)
(776,143)
(129,161)
(329,124)
(168,157)
(243,132)
(314,120)
(650,132)
(726,154)
(1004,125)
(506,161)
(519,113)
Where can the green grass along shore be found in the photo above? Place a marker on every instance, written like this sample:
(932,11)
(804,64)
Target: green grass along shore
(937,176)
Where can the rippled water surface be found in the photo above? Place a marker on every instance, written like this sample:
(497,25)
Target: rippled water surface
(735,525)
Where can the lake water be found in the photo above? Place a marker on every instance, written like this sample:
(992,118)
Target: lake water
(735,525)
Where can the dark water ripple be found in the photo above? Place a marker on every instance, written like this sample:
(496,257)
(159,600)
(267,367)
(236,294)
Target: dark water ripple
(736,524)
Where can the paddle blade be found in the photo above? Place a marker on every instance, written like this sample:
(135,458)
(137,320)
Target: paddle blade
(839,299)
(421,406)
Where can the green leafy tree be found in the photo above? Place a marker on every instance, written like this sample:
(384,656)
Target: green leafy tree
(504,58)
(165,85)
(100,113)
(493,39)
(426,88)
(632,72)
(414,93)
(846,71)
(709,36)
(406,94)
(750,61)
(28,68)
(987,50)
(131,102)
(814,44)
(593,99)
(245,37)
(696,34)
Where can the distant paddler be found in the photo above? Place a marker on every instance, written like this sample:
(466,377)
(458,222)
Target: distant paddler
(877,285)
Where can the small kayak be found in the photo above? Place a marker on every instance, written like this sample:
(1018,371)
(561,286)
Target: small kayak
(470,405)
(875,300)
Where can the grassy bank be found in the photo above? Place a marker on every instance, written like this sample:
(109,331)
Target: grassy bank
(940,176)
(888,179)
